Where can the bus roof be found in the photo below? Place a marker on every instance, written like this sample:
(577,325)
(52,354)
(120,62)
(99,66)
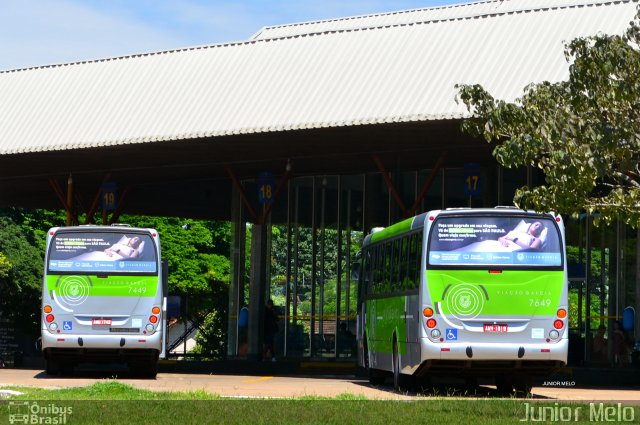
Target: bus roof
(417,222)
(404,226)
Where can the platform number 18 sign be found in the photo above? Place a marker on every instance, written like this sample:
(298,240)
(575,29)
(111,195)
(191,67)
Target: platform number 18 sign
(266,188)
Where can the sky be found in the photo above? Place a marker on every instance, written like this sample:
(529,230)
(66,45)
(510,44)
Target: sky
(44,32)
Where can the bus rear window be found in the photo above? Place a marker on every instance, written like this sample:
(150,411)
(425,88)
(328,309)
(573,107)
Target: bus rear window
(105,252)
(524,241)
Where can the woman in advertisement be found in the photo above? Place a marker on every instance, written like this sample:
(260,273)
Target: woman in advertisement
(128,249)
(529,239)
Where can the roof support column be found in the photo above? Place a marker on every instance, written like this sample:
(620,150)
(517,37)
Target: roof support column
(427,184)
(67,201)
(121,202)
(96,202)
(423,192)
(390,185)
(259,279)
(243,194)
(257,291)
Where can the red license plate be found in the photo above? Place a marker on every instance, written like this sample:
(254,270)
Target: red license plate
(496,328)
(101,322)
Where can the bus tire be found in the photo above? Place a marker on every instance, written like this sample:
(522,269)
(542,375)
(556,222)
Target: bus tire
(144,369)
(67,368)
(376,377)
(52,367)
(504,385)
(523,384)
(396,366)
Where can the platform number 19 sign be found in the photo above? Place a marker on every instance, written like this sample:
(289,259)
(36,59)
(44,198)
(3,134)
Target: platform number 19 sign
(109,192)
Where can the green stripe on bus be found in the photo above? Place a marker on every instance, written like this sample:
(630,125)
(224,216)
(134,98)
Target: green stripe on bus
(77,286)
(391,231)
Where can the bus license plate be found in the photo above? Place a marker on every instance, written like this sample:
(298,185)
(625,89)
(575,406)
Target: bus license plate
(496,328)
(101,322)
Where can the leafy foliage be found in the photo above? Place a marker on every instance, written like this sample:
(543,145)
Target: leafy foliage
(583,133)
(197,251)
(21,266)
(211,338)
(5,266)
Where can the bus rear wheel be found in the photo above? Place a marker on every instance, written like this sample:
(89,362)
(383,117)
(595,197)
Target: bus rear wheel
(144,369)
(396,367)
(376,377)
(518,385)
(523,384)
(55,367)
(52,367)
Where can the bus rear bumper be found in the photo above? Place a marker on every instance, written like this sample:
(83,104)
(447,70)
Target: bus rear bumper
(101,346)
(491,358)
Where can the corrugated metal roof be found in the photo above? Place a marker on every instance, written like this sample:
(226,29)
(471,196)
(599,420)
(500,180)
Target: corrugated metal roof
(404,17)
(364,75)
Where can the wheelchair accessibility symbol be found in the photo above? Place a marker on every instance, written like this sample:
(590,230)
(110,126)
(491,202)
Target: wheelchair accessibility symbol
(451,334)
(67,325)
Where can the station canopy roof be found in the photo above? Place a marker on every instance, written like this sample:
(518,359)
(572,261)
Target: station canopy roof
(322,94)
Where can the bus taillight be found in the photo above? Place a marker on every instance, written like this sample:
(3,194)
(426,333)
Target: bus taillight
(558,324)
(153,319)
(431,323)
(50,318)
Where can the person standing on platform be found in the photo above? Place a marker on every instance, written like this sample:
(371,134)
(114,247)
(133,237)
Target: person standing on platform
(270,330)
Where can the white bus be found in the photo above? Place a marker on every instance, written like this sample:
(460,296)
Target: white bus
(103,298)
(465,292)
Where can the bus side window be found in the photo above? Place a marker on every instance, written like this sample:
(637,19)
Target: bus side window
(377,270)
(404,263)
(388,275)
(396,282)
(417,258)
(365,273)
(373,276)
(413,260)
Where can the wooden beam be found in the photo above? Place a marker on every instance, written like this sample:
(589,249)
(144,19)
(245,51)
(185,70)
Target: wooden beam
(390,185)
(243,195)
(427,184)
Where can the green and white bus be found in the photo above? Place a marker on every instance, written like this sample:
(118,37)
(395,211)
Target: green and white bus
(466,293)
(103,298)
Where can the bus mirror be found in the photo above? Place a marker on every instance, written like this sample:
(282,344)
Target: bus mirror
(165,277)
(355,271)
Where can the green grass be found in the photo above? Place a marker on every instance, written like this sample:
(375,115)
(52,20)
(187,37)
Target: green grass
(108,390)
(111,402)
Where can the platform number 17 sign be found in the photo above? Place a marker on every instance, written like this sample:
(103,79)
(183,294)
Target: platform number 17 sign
(472,179)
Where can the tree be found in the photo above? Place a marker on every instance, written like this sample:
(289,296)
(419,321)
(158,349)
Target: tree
(197,251)
(21,266)
(5,266)
(584,133)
